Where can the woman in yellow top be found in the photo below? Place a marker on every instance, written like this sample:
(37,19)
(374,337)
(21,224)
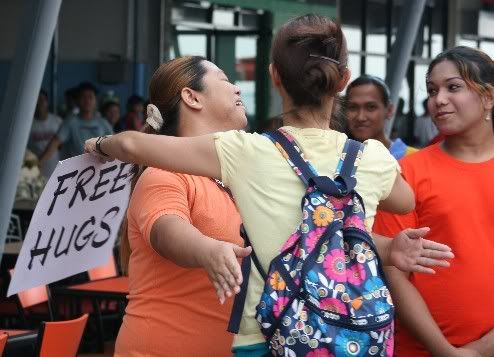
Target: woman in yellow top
(308,70)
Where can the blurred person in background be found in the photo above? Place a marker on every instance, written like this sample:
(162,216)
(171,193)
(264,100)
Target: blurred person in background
(111,112)
(368,107)
(45,126)
(70,107)
(134,119)
(75,130)
(424,130)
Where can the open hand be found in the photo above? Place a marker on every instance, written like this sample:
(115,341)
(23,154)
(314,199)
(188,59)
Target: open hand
(410,252)
(223,268)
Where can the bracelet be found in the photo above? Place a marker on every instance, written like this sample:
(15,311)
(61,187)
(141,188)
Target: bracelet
(98,145)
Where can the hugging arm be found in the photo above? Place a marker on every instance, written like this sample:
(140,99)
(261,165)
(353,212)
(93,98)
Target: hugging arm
(189,155)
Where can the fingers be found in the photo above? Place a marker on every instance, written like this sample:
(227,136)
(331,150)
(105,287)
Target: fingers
(421,269)
(430,262)
(437,254)
(242,252)
(429,244)
(235,272)
(219,292)
(417,232)
(225,284)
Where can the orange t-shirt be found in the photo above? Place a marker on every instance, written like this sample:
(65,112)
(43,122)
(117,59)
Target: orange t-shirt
(456,200)
(174,311)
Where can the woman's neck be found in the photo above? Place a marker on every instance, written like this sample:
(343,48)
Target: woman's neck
(475,145)
(305,117)
(196,125)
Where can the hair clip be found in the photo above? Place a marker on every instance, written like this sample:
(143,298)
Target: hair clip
(154,118)
(325,58)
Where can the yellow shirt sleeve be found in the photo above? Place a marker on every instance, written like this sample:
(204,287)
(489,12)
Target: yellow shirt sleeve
(235,149)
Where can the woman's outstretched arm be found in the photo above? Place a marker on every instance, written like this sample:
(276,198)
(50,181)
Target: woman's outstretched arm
(181,242)
(189,155)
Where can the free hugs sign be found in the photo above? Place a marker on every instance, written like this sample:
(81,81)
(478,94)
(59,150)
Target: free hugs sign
(75,223)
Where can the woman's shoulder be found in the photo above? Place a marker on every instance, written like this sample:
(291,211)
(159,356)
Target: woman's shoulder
(375,152)
(152,176)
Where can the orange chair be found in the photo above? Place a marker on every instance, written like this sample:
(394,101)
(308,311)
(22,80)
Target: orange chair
(34,302)
(60,338)
(109,270)
(3,342)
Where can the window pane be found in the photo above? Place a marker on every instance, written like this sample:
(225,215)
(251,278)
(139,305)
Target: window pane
(245,47)
(354,65)
(420,88)
(192,45)
(437,44)
(376,43)
(223,17)
(487,47)
(248,92)
(353,37)
(376,66)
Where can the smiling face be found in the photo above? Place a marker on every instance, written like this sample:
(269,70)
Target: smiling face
(366,112)
(221,99)
(454,107)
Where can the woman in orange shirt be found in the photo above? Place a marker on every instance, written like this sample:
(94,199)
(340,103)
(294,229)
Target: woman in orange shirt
(173,309)
(453,315)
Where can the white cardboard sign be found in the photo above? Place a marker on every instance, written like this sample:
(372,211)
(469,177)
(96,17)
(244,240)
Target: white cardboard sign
(75,223)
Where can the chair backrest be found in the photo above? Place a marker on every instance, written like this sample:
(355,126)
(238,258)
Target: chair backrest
(109,270)
(3,342)
(32,296)
(61,338)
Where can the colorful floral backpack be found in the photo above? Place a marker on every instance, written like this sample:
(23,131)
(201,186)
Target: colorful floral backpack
(325,293)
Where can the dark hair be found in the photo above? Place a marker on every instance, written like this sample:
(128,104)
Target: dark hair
(476,68)
(108,104)
(86,86)
(310,56)
(44,93)
(165,90)
(133,100)
(375,81)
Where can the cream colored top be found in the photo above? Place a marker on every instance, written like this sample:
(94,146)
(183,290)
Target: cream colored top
(268,193)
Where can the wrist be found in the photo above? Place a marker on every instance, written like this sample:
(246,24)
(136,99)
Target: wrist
(99,142)
(204,250)
(386,245)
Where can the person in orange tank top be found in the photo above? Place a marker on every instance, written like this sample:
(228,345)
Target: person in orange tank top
(451,313)
(183,231)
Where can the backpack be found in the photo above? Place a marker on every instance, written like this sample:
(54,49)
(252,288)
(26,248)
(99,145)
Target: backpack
(325,294)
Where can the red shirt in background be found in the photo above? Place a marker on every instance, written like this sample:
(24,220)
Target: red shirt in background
(456,200)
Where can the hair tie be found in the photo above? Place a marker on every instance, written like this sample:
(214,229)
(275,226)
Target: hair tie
(325,58)
(154,118)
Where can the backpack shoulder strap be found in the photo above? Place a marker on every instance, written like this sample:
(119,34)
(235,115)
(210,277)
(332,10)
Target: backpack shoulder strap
(239,301)
(350,157)
(289,149)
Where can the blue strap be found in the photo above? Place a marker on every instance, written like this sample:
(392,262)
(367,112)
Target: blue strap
(306,169)
(239,301)
(346,167)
